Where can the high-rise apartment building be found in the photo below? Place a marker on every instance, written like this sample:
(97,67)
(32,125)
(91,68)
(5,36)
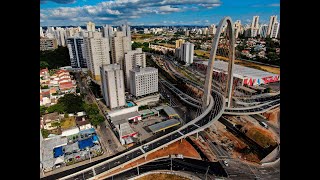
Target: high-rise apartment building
(112,82)
(187,52)
(263,30)
(212,29)
(48,44)
(91,26)
(237,26)
(120,45)
(255,26)
(60,34)
(275,30)
(133,59)
(187,33)
(125,28)
(179,42)
(107,31)
(144,81)
(77,52)
(273,19)
(97,53)
(41,32)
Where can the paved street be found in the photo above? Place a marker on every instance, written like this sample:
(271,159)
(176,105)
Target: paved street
(109,141)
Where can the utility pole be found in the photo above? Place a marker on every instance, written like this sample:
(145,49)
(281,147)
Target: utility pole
(207,172)
(171,162)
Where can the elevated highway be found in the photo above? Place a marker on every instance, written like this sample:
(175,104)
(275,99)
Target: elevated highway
(213,112)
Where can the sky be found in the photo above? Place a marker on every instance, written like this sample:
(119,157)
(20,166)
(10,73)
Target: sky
(154,12)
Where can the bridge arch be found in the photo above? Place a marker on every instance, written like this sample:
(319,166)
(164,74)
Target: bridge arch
(208,82)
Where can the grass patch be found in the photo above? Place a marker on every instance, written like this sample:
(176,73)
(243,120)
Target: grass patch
(67,123)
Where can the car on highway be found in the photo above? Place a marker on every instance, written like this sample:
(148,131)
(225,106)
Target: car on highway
(263,124)
(225,163)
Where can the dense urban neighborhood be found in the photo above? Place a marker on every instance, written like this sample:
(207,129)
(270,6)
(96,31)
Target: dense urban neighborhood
(120,101)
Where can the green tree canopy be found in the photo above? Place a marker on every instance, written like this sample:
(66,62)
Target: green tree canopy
(43,64)
(96,119)
(55,108)
(71,103)
(55,58)
(42,110)
(45,133)
(91,109)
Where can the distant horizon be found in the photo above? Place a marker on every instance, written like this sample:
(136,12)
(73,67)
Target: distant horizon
(154,12)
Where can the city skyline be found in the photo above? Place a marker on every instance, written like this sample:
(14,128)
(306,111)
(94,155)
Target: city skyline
(141,12)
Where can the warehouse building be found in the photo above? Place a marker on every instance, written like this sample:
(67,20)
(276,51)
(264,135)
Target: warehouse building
(242,75)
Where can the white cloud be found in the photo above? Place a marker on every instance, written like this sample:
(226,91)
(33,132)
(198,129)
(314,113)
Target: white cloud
(114,11)
(168,9)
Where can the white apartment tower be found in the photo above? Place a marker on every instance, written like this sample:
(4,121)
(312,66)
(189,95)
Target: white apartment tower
(255,26)
(187,52)
(91,26)
(273,19)
(133,59)
(125,28)
(212,29)
(107,31)
(60,34)
(120,45)
(112,82)
(97,53)
(275,30)
(41,32)
(237,26)
(144,81)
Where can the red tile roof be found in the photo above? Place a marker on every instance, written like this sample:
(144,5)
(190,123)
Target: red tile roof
(64,79)
(66,85)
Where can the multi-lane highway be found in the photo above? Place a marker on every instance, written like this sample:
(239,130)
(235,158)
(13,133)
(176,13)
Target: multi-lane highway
(266,104)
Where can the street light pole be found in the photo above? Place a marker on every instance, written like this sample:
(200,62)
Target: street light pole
(89,153)
(207,172)
(171,162)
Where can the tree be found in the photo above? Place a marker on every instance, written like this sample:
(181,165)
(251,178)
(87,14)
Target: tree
(43,64)
(55,58)
(96,119)
(42,110)
(71,103)
(66,115)
(44,87)
(55,124)
(91,109)
(55,108)
(45,133)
